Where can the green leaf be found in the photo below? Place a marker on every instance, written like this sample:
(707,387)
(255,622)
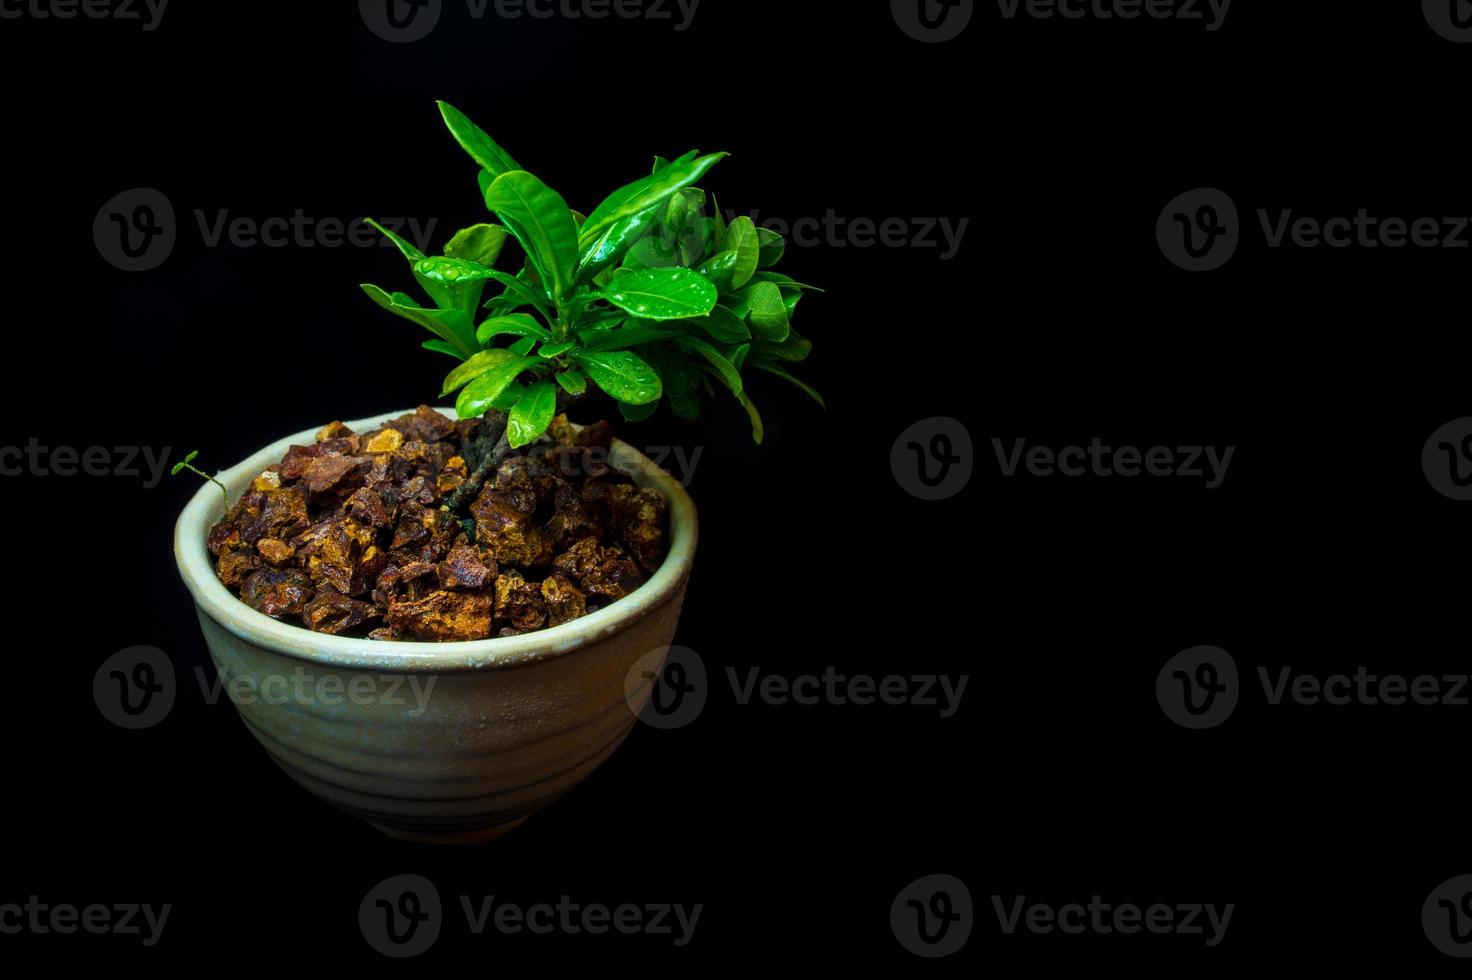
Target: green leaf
(637,413)
(625,376)
(410,250)
(675,214)
(794,349)
(718,220)
(773,247)
(573,381)
(785,282)
(723,325)
(768,311)
(675,374)
(451,271)
(550,351)
(720,269)
(440,347)
(506,400)
(481,147)
(474,368)
(636,333)
(532,414)
(542,222)
(523,346)
(479,395)
(524,294)
(516,325)
(653,252)
(480,244)
(806,388)
(758,428)
(662,294)
(741,238)
(724,369)
(451,326)
(621,219)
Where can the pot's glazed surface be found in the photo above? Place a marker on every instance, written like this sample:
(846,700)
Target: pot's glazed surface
(450,742)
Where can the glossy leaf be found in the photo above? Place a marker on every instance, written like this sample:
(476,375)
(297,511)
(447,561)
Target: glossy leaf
(768,312)
(542,222)
(550,351)
(573,381)
(451,326)
(479,395)
(524,294)
(662,294)
(625,376)
(741,238)
(440,347)
(480,244)
(723,326)
(532,414)
(773,247)
(516,325)
(474,368)
(720,269)
(410,251)
(481,147)
(609,228)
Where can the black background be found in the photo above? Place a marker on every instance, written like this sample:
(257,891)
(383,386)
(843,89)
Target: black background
(1059,321)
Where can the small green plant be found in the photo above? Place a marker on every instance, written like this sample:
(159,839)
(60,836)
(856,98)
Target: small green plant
(646,297)
(187,464)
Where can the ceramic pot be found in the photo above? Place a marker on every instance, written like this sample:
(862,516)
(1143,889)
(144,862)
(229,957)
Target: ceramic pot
(441,742)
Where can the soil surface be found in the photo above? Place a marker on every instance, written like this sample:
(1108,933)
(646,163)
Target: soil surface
(351,535)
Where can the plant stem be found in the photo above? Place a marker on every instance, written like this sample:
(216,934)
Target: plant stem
(492,433)
(223,492)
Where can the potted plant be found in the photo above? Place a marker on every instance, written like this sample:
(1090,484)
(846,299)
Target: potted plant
(496,584)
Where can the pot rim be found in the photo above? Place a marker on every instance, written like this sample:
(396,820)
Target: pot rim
(214,600)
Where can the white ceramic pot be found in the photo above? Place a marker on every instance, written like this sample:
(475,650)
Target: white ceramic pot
(444,742)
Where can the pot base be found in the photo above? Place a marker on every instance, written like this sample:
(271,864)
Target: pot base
(458,838)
